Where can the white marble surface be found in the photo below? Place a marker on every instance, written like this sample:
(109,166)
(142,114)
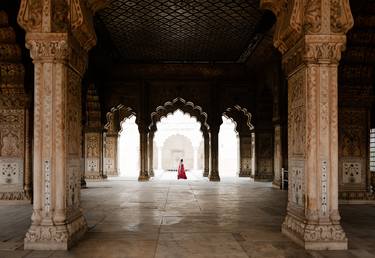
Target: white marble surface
(192,218)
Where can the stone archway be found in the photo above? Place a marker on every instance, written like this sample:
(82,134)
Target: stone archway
(112,128)
(242,119)
(195,111)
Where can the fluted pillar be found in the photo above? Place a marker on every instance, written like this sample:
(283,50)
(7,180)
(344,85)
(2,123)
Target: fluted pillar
(214,153)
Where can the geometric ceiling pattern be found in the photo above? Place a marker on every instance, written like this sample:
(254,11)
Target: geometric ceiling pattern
(181,30)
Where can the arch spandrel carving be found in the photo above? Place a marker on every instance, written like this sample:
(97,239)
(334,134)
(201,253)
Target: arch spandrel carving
(241,117)
(183,105)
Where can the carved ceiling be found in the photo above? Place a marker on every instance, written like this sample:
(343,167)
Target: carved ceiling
(356,71)
(182,30)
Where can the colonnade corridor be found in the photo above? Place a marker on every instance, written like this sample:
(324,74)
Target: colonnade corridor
(231,218)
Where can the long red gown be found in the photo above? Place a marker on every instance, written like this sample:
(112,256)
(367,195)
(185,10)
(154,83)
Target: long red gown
(181,172)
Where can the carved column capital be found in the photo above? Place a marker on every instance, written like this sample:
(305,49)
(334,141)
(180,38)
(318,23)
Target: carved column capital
(49,16)
(48,47)
(314,49)
(298,18)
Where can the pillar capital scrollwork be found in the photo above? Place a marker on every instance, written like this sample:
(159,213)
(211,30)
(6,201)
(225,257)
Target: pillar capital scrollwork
(298,18)
(314,49)
(73,17)
(48,47)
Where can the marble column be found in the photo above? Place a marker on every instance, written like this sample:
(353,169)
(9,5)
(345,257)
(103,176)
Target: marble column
(311,40)
(15,149)
(245,154)
(151,153)
(277,156)
(143,173)
(57,220)
(59,52)
(214,153)
(206,147)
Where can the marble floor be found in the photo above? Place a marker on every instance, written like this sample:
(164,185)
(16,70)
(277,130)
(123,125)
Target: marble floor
(178,219)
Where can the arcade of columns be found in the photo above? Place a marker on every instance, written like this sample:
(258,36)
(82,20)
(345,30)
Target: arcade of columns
(60,34)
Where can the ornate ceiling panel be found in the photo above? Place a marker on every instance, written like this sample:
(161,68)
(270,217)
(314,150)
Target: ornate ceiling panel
(181,30)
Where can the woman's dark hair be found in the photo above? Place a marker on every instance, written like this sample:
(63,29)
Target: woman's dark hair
(182,160)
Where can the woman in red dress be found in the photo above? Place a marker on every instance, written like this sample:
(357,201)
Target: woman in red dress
(181,170)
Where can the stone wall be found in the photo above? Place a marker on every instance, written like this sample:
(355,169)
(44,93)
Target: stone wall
(15,174)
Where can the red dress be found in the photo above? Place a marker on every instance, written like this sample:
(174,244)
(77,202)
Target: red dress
(181,172)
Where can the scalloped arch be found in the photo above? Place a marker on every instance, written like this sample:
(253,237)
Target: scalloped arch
(238,115)
(185,106)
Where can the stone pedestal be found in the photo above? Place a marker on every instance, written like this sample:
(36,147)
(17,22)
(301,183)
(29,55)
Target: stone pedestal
(214,153)
(245,155)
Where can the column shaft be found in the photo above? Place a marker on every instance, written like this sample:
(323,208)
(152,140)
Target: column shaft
(214,139)
(143,173)
(206,155)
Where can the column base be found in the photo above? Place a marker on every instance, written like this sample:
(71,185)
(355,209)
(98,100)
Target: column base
(152,174)
(143,178)
(205,173)
(21,196)
(315,236)
(214,177)
(96,177)
(55,237)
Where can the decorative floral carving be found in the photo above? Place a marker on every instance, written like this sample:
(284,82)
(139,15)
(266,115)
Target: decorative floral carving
(341,17)
(59,15)
(30,15)
(48,49)
(313,232)
(313,17)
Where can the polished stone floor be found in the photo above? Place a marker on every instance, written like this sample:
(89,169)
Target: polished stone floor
(178,219)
